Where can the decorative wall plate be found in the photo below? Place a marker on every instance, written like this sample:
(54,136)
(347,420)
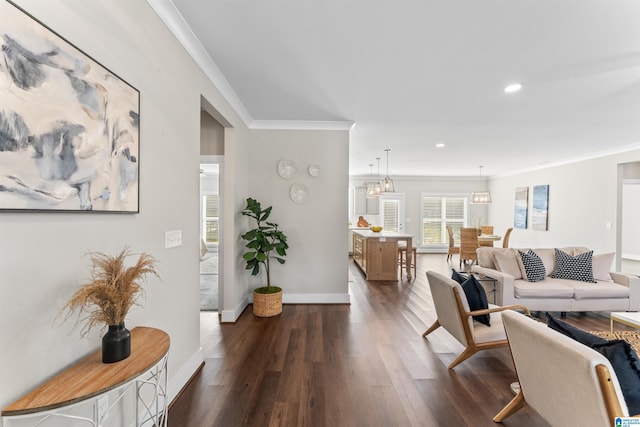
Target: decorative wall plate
(299,192)
(314,170)
(287,168)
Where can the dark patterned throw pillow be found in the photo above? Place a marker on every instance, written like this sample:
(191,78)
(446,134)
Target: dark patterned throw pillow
(534,270)
(579,267)
(477,299)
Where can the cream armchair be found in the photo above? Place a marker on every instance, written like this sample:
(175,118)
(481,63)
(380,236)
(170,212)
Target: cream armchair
(455,316)
(566,382)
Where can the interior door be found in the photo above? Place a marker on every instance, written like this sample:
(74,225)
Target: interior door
(392,210)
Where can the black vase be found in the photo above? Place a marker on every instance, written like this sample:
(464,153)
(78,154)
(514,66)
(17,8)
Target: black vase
(116,344)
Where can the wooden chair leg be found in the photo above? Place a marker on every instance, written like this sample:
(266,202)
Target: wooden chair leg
(432,328)
(467,353)
(512,407)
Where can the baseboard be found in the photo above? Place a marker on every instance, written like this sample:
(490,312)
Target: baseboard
(315,298)
(230,316)
(184,375)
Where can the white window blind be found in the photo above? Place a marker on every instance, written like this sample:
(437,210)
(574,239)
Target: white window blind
(391,214)
(437,213)
(211,215)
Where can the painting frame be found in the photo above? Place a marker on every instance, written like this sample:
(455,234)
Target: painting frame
(69,126)
(521,207)
(540,208)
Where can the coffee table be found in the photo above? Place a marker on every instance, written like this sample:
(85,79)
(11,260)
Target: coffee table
(629,318)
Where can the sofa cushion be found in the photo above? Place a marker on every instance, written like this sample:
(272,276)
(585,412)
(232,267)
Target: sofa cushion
(531,266)
(599,290)
(602,266)
(506,262)
(579,267)
(548,288)
(486,255)
(548,258)
(477,298)
(624,361)
(572,332)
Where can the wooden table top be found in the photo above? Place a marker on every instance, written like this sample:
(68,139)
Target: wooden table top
(90,377)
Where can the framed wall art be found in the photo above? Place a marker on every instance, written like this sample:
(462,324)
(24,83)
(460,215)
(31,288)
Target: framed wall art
(540,211)
(521,207)
(69,127)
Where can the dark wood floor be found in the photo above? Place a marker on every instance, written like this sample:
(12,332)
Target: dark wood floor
(363,364)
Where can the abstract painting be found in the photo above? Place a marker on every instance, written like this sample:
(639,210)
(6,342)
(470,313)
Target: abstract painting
(69,127)
(521,207)
(540,211)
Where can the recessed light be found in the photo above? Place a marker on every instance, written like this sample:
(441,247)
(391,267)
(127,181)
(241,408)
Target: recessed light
(440,144)
(513,88)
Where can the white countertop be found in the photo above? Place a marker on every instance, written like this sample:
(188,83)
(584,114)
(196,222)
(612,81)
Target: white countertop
(368,233)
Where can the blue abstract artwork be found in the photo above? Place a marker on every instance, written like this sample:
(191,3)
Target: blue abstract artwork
(540,211)
(69,127)
(521,207)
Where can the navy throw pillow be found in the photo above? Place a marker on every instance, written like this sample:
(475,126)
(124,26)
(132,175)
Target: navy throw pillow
(624,361)
(571,331)
(457,276)
(477,299)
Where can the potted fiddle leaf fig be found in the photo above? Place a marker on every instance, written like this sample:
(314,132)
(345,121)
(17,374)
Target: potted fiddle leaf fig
(266,243)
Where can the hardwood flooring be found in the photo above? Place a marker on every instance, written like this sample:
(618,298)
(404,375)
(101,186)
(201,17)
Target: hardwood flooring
(363,364)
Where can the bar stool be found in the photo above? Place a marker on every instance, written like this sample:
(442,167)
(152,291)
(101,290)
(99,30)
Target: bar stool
(402,259)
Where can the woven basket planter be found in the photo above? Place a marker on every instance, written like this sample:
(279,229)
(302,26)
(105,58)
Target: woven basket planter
(267,305)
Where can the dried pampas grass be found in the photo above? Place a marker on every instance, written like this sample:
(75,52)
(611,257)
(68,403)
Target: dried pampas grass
(111,291)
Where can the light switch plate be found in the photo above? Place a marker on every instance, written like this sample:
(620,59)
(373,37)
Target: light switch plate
(172,238)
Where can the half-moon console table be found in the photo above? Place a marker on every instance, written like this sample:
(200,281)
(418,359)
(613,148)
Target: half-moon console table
(83,387)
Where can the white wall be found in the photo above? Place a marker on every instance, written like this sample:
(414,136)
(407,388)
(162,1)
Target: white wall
(316,267)
(42,255)
(582,200)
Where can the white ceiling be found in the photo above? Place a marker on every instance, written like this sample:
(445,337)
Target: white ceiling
(412,73)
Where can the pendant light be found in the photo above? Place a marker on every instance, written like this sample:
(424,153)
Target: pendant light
(371,185)
(480,197)
(387,183)
(374,189)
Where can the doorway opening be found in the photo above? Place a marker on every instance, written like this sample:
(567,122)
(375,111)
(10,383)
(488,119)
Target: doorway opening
(209,235)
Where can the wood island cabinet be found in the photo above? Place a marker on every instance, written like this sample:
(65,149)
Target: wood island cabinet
(376,256)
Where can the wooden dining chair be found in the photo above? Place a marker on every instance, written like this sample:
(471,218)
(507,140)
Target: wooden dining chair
(453,249)
(486,229)
(505,240)
(468,245)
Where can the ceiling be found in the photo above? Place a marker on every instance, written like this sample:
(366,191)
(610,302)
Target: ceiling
(413,73)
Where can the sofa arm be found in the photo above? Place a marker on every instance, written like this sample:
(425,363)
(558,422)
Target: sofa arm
(633,283)
(505,294)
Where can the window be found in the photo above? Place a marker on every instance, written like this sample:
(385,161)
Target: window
(437,213)
(211,218)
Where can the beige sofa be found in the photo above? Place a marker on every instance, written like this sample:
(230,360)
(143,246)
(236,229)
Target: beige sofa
(611,292)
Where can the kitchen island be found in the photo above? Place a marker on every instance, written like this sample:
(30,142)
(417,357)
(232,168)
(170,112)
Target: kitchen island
(377,253)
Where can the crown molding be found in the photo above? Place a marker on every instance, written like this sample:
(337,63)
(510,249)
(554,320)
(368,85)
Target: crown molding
(172,18)
(301,125)
(168,13)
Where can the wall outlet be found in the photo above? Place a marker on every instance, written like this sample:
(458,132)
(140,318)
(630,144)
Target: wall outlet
(103,407)
(172,238)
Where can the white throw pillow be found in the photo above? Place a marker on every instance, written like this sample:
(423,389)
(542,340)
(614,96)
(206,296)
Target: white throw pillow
(602,266)
(506,262)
